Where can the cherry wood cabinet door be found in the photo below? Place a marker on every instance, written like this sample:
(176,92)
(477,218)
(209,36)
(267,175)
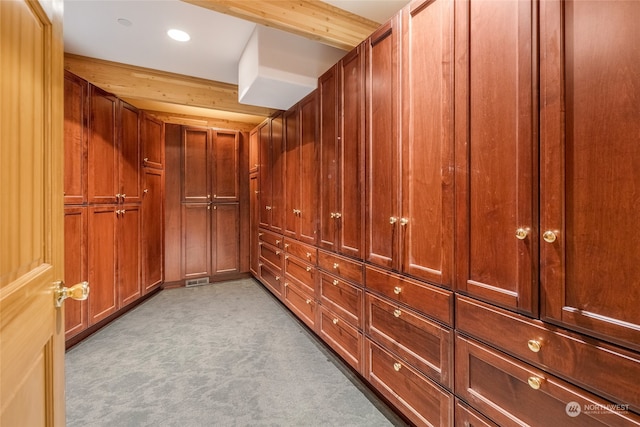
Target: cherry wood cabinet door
(308,180)
(328,115)
(152,141)
(382,140)
(427,141)
(254,211)
(277,174)
(196,164)
(128,241)
(226,243)
(265,174)
(292,172)
(496,152)
(226,164)
(196,240)
(75,139)
(129,159)
(152,229)
(102,258)
(75,267)
(351,154)
(590,163)
(254,144)
(103,154)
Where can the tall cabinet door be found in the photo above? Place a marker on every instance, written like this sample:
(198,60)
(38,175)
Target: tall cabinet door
(196,240)
(75,267)
(226,247)
(292,172)
(196,149)
(152,141)
(226,150)
(427,141)
(102,258)
(328,151)
(129,160)
(265,174)
(103,152)
(589,129)
(350,220)
(254,209)
(496,152)
(152,229)
(128,241)
(382,139)
(75,139)
(308,182)
(277,174)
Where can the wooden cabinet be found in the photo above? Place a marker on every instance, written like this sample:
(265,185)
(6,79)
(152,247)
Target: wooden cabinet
(196,165)
(102,261)
(129,160)
(75,267)
(75,139)
(271,173)
(254,213)
(152,229)
(103,181)
(589,165)
(225,167)
(129,244)
(341,146)
(152,141)
(300,157)
(254,146)
(226,243)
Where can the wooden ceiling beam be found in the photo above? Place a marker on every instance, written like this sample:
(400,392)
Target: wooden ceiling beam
(127,81)
(312,19)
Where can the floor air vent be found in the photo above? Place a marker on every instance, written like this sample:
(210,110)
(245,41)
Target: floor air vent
(197,282)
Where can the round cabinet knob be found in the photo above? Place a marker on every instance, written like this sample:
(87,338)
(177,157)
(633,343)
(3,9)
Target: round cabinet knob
(404,221)
(338,215)
(277,278)
(277,242)
(335,321)
(308,301)
(335,283)
(336,265)
(549,236)
(397,366)
(308,268)
(286,246)
(534,382)
(333,214)
(397,313)
(393,220)
(397,290)
(308,254)
(521,233)
(534,345)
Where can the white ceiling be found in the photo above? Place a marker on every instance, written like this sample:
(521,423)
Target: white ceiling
(91,29)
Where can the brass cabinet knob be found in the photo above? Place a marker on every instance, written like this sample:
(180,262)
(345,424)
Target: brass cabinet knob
(335,282)
(534,345)
(260,234)
(397,313)
(145,191)
(308,268)
(534,382)
(336,265)
(308,301)
(333,214)
(397,366)
(549,236)
(146,159)
(286,246)
(277,242)
(277,278)
(393,220)
(335,321)
(397,290)
(404,221)
(338,215)
(521,233)
(277,252)
(308,254)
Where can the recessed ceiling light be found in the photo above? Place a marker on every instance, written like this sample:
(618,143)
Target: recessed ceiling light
(178,35)
(125,22)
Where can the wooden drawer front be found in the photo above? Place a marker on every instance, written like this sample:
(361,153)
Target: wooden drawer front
(419,398)
(343,298)
(499,387)
(305,252)
(342,337)
(301,272)
(418,341)
(341,266)
(272,280)
(430,300)
(271,238)
(604,369)
(302,304)
(467,417)
(271,255)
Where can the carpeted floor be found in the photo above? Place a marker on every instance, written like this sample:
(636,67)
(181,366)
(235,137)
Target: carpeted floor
(225,354)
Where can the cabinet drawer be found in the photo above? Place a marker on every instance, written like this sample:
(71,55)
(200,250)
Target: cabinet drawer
(602,368)
(430,300)
(271,238)
(272,280)
(342,337)
(301,303)
(302,251)
(301,272)
(418,341)
(341,266)
(271,255)
(342,297)
(420,399)
(467,417)
(514,393)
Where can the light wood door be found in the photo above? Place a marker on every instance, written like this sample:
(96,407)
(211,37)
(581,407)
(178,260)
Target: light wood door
(31,214)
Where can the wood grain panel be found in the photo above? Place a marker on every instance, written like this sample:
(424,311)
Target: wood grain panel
(102,257)
(103,149)
(130,161)
(152,229)
(308,170)
(277,174)
(152,141)
(226,238)
(128,241)
(76,96)
(196,164)
(196,240)
(75,267)
(328,117)
(226,166)
(292,172)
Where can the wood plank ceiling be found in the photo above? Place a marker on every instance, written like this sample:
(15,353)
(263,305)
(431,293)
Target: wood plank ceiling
(213,103)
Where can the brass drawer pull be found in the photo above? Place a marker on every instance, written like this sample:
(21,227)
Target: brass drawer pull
(277,242)
(397,366)
(277,278)
(521,233)
(335,265)
(308,269)
(397,290)
(397,313)
(277,252)
(404,221)
(393,220)
(549,236)
(286,246)
(308,301)
(534,345)
(308,254)
(335,321)
(335,283)
(534,382)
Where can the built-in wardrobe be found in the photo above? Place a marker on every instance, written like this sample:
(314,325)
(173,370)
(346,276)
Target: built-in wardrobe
(464,239)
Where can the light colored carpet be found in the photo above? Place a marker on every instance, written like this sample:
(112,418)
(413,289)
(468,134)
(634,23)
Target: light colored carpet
(225,354)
